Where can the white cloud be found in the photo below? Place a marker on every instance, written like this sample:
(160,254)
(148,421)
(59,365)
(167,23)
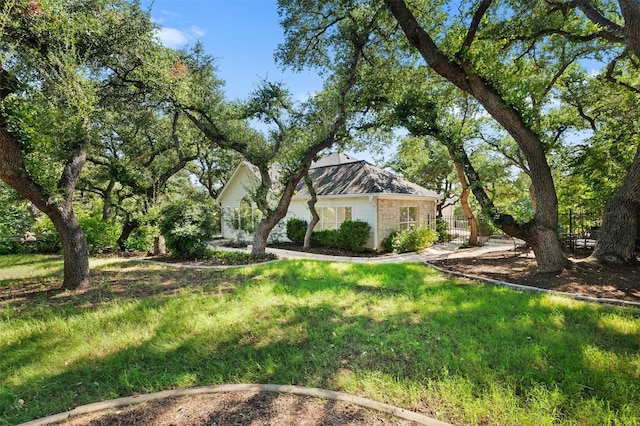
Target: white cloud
(170,13)
(197,31)
(172,37)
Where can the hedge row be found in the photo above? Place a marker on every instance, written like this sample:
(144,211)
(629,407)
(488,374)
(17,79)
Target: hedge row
(352,235)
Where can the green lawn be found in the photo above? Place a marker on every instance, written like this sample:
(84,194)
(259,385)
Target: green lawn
(403,334)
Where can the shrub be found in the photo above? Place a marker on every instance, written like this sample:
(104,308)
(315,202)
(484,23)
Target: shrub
(48,240)
(442,230)
(14,222)
(238,257)
(296,230)
(101,234)
(326,238)
(142,238)
(387,242)
(354,235)
(409,240)
(187,227)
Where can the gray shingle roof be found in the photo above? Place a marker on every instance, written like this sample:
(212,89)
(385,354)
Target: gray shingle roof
(358,178)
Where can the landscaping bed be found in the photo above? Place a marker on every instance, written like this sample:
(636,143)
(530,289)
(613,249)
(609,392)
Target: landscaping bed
(582,278)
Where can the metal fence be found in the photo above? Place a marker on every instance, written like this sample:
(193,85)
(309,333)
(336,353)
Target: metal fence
(577,223)
(458,229)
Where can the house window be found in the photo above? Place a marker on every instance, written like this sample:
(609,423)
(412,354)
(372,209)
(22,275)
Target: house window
(332,217)
(245,218)
(408,217)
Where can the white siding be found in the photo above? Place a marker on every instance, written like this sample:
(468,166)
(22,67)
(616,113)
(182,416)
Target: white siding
(234,191)
(362,210)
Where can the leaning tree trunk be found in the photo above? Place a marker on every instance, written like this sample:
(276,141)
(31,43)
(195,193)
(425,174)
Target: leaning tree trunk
(128,227)
(464,199)
(315,218)
(541,233)
(473,223)
(616,240)
(262,232)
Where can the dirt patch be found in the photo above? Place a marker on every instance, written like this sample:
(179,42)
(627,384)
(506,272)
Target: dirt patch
(581,278)
(238,408)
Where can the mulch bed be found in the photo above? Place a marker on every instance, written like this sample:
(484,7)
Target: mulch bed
(582,278)
(239,408)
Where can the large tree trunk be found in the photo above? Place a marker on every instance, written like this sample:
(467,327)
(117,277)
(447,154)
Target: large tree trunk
(465,78)
(60,211)
(74,249)
(547,250)
(616,240)
(262,232)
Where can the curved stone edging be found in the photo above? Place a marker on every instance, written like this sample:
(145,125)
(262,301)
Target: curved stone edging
(295,390)
(537,289)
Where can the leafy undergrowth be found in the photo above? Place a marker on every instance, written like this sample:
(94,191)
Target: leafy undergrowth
(403,334)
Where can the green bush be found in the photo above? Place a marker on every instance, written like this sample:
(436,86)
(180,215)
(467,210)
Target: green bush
(187,228)
(354,235)
(442,229)
(48,240)
(387,242)
(237,257)
(409,240)
(326,238)
(142,238)
(101,234)
(296,230)
(14,222)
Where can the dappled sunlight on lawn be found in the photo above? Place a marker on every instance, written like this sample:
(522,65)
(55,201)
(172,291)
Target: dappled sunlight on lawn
(401,334)
(617,324)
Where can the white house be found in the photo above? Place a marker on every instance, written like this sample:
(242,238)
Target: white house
(347,189)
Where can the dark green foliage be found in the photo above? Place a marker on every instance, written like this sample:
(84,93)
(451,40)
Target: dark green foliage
(442,229)
(187,228)
(354,235)
(296,230)
(409,240)
(326,238)
(387,242)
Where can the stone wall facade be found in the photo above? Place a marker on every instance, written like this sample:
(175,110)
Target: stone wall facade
(389,213)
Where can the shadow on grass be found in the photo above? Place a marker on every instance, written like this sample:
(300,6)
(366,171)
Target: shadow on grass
(366,329)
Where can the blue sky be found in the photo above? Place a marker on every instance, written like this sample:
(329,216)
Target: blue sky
(241,34)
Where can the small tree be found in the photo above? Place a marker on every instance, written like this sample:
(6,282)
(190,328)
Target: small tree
(188,228)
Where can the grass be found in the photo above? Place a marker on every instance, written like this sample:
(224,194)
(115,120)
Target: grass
(404,334)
